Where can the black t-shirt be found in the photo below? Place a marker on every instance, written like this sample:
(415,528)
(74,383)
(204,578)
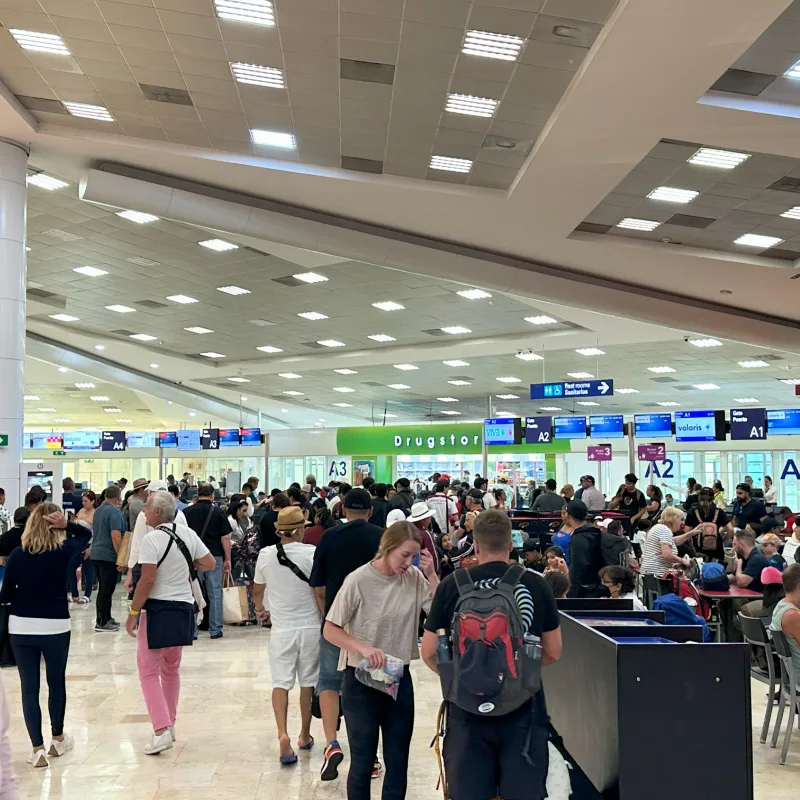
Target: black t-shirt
(342,550)
(217,527)
(631,502)
(696,515)
(267,526)
(380,510)
(752,511)
(753,566)
(10,541)
(545,618)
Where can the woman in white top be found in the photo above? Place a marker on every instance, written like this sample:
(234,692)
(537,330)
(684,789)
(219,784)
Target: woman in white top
(660,548)
(621,585)
(239,521)
(792,544)
(375,614)
(770,491)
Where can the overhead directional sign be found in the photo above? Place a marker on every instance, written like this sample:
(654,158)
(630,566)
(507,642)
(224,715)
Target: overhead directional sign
(748,423)
(595,388)
(3,440)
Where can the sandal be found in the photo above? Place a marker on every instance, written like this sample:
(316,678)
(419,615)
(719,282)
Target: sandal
(287,761)
(82,601)
(307,746)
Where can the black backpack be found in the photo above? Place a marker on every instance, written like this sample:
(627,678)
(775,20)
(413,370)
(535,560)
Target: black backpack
(616,550)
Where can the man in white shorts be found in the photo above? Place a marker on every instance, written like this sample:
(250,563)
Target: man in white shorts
(282,573)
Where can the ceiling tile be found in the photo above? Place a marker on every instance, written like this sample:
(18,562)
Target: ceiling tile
(304,18)
(420,78)
(425,58)
(139,37)
(82,29)
(380,8)
(190,25)
(432,37)
(204,67)
(153,77)
(269,116)
(368,50)
(307,116)
(132,16)
(197,83)
(193,46)
(12,18)
(77,9)
(491,176)
(218,102)
(188,6)
(589,10)
(362,26)
(312,83)
(499,20)
(556,56)
(447,13)
(106,69)
(303,62)
(267,54)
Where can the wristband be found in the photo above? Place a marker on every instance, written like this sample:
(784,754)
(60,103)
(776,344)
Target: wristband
(133,613)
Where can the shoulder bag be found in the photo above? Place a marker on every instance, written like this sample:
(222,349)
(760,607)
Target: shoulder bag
(285,561)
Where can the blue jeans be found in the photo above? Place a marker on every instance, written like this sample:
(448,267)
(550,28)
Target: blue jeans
(330,679)
(213,582)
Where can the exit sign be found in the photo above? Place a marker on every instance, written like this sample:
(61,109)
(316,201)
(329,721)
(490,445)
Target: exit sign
(3,440)
(59,452)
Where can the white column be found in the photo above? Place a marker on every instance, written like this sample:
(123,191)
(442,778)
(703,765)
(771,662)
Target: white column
(13,170)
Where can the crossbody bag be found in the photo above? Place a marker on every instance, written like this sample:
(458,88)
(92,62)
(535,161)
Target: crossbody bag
(285,561)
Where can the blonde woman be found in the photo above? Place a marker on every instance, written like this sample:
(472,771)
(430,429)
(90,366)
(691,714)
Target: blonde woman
(34,586)
(375,614)
(660,547)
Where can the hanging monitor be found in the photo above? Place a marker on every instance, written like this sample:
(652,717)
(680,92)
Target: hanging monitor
(188,440)
(607,426)
(82,440)
(506,430)
(783,422)
(652,426)
(569,427)
(137,439)
(250,437)
(700,426)
(228,437)
(168,439)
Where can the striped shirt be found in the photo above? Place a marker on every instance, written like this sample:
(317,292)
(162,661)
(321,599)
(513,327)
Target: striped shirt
(653,563)
(521,594)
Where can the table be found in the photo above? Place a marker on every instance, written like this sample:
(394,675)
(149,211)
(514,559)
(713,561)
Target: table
(716,597)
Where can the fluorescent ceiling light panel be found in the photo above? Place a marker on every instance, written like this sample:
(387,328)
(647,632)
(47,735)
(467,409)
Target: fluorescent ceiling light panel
(705,387)
(757,240)
(92,272)
(290,375)
(792,213)
(587,403)
(182,299)
(312,315)
(581,375)
(293,393)
(239,380)
(121,309)
(99,398)
(285,141)
(346,371)
(745,399)
(84,385)
(791,381)
(219,245)
(63,369)
(212,354)
(460,383)
(454,330)
(124,420)
(447,164)
(470,105)
(660,369)
(137,216)
(46,182)
(792,72)
(43,42)
(541,320)
(670,195)
(200,330)
(60,419)
(113,410)
(389,416)
(474,294)
(258,75)
(31,397)
(343,389)
(447,399)
(626,391)
(344,405)
(46,409)
(529,357)
(331,343)
(634,224)
(753,364)
(310,277)
(388,305)
(258,12)
(705,342)
(456,362)
(268,348)
(89,111)
(667,404)
(550,408)
(63,317)
(722,159)
(405,367)
(143,337)
(99,347)
(492,45)
(451,413)
(399,386)
(590,351)
(233,290)
(507,396)
(509,379)
(381,337)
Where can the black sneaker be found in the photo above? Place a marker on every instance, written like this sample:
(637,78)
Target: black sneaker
(333,757)
(215,636)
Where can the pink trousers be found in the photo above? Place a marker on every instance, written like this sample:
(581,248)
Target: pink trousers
(159,674)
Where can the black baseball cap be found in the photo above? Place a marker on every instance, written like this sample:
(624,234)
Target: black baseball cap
(531,545)
(577,509)
(358,500)
(769,524)
(589,478)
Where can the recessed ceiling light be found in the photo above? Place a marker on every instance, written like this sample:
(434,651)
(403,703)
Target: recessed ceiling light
(259,12)
(454,330)
(756,240)
(268,348)
(212,354)
(182,299)
(451,413)
(239,380)
(46,182)
(460,383)
(670,195)
(792,213)
(198,329)
(509,379)
(43,42)
(89,111)
(310,277)
(46,410)
(388,305)
(745,400)
(64,317)
(705,342)
(344,405)
(474,294)
(626,391)
(258,75)
(529,357)
(590,351)
(398,386)
(292,376)
(343,389)
(142,261)
(219,245)
(753,364)
(192,413)
(581,375)
(233,290)
(99,398)
(660,369)
(284,411)
(31,397)
(705,387)
(137,216)
(346,371)
(285,141)
(99,347)
(389,416)
(447,399)
(447,164)
(634,224)
(723,159)
(550,408)
(143,337)
(27,249)
(60,419)
(84,386)
(456,362)
(312,315)
(154,366)
(112,410)
(63,369)
(405,367)
(587,403)
(381,337)
(120,309)
(791,381)
(470,105)
(124,420)
(292,393)
(507,396)
(331,343)
(92,272)
(492,45)
(541,320)
(668,404)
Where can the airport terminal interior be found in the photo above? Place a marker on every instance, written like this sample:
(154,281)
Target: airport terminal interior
(426,266)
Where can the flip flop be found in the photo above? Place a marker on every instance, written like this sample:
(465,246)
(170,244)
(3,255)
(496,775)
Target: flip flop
(307,746)
(287,761)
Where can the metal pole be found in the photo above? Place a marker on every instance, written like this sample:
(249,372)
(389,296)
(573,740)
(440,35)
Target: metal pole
(484,451)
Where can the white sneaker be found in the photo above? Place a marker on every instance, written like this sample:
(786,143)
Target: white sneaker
(38,758)
(172,733)
(59,748)
(158,744)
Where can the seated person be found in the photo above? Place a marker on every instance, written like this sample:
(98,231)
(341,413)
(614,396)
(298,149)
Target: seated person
(786,615)
(642,526)
(553,556)
(559,583)
(749,562)
(772,580)
(770,542)
(532,554)
(621,585)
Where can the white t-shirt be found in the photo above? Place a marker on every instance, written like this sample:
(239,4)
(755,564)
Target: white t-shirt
(140,529)
(291,601)
(638,605)
(443,509)
(172,577)
(489,501)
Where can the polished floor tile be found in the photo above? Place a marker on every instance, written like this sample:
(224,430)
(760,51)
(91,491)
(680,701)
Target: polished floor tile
(226,735)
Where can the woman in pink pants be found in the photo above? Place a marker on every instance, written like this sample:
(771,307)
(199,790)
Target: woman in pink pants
(163,610)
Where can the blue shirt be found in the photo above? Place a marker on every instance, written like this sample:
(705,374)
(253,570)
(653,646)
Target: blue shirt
(107,518)
(71,502)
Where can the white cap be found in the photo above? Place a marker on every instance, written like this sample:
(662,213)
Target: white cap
(157,486)
(395,515)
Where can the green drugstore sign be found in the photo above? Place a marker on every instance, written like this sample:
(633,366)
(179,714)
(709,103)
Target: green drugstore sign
(466,439)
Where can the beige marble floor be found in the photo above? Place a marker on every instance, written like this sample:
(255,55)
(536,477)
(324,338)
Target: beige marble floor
(226,743)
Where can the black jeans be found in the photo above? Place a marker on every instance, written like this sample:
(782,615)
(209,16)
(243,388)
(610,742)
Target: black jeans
(368,712)
(106,583)
(28,650)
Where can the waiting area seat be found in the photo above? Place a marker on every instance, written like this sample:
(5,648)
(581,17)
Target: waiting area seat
(655,587)
(755,634)
(788,696)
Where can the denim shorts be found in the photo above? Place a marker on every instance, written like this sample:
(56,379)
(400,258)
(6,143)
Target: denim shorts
(330,679)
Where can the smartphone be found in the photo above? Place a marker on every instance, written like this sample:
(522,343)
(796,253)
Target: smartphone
(415,562)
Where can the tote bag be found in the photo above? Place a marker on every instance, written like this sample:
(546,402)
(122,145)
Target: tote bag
(235,609)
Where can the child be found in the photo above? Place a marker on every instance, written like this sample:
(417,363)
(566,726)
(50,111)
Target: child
(642,526)
(770,543)
(554,557)
(559,583)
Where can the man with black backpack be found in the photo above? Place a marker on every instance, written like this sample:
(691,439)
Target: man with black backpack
(585,552)
(489,631)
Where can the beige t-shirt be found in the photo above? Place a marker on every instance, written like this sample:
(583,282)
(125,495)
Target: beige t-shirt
(382,611)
